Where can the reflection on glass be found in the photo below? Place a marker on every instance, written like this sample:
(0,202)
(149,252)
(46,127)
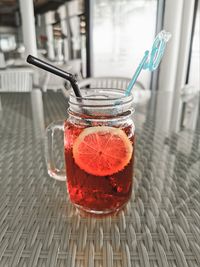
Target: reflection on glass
(122,31)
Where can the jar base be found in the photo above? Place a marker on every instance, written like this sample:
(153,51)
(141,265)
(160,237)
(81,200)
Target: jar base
(98,213)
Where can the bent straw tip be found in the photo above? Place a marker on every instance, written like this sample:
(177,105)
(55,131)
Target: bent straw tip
(164,35)
(29,59)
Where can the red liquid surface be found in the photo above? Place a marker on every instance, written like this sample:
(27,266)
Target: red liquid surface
(96,193)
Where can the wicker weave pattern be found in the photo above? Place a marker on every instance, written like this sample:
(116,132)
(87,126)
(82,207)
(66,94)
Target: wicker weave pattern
(39,227)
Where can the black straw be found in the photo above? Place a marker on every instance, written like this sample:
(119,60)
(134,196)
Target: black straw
(63,74)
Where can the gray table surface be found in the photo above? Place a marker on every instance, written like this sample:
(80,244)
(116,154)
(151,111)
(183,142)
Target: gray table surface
(39,227)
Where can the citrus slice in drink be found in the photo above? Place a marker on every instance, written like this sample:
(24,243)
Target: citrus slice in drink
(102,150)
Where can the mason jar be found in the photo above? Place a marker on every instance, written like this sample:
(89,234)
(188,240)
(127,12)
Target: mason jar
(98,148)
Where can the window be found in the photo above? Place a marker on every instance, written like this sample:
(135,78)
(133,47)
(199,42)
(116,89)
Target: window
(121,32)
(7,42)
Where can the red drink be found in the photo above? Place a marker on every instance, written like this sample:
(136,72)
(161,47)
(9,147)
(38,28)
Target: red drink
(98,193)
(99,149)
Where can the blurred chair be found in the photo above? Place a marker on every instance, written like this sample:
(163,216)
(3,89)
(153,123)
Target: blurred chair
(2,61)
(141,94)
(16,80)
(53,82)
(105,82)
(190,107)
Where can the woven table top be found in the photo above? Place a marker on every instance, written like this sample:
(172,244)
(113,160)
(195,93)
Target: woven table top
(39,227)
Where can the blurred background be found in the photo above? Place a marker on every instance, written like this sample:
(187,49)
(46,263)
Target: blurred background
(104,38)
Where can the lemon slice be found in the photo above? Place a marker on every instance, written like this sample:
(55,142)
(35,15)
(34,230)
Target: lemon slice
(102,150)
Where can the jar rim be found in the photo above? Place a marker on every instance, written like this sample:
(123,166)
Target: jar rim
(101,102)
(120,92)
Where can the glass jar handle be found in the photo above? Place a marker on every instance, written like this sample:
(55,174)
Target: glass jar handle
(49,153)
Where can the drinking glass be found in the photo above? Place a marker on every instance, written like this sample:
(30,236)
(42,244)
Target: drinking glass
(99,150)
